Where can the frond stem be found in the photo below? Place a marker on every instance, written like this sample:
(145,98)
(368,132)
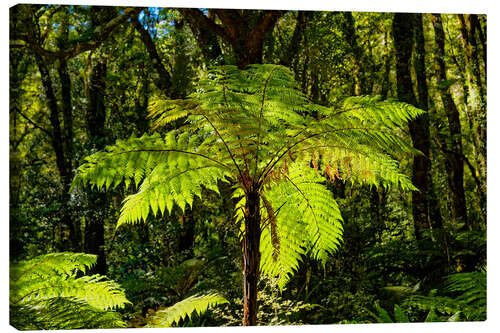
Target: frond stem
(260,119)
(171,150)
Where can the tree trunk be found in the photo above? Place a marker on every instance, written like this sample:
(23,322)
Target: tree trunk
(298,34)
(163,81)
(386,82)
(349,32)
(244,31)
(63,162)
(206,38)
(403,34)
(96,131)
(16,246)
(454,159)
(187,232)
(182,74)
(434,212)
(436,220)
(251,259)
(97,201)
(476,97)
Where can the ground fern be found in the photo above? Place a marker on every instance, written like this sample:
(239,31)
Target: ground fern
(47,292)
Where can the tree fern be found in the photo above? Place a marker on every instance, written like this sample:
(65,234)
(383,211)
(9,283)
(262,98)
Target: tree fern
(196,304)
(462,295)
(47,290)
(255,130)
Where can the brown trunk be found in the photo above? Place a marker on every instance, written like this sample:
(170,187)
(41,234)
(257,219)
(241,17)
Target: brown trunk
(243,30)
(454,159)
(251,259)
(187,232)
(298,34)
(62,161)
(386,82)
(96,131)
(163,81)
(436,220)
(349,31)
(96,117)
(476,22)
(206,38)
(434,212)
(15,163)
(476,97)
(403,34)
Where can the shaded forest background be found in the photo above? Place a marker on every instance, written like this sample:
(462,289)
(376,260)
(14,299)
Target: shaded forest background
(82,77)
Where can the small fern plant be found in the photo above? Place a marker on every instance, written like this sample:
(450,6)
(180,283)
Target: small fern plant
(462,296)
(196,304)
(46,292)
(255,130)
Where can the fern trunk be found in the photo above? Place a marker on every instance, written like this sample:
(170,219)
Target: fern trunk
(251,259)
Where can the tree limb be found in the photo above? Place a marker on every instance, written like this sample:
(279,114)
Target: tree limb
(34,124)
(82,46)
(163,82)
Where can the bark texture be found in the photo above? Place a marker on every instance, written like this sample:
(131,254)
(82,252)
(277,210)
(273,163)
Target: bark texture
(454,159)
(251,259)
(403,35)
(96,133)
(243,30)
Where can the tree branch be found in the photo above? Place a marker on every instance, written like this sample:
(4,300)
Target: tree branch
(200,22)
(34,124)
(164,80)
(82,46)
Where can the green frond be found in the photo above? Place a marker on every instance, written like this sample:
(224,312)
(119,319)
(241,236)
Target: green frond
(196,304)
(382,315)
(166,186)
(372,111)
(61,314)
(360,165)
(136,158)
(463,293)
(167,170)
(48,283)
(308,222)
(61,263)
(164,112)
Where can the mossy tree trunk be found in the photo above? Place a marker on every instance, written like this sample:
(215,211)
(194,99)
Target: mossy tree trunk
(403,35)
(454,155)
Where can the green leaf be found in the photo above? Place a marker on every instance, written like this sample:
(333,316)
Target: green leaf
(400,315)
(185,308)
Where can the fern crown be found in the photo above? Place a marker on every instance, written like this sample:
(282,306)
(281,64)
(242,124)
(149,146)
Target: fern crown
(255,130)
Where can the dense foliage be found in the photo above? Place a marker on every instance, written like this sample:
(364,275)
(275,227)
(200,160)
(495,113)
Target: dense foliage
(356,142)
(43,289)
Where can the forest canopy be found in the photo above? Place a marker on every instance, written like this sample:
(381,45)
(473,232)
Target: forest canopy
(222,167)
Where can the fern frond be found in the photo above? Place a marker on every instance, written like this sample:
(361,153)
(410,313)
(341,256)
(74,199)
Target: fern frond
(167,170)
(166,186)
(461,292)
(134,159)
(196,304)
(62,313)
(54,276)
(308,221)
(46,284)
